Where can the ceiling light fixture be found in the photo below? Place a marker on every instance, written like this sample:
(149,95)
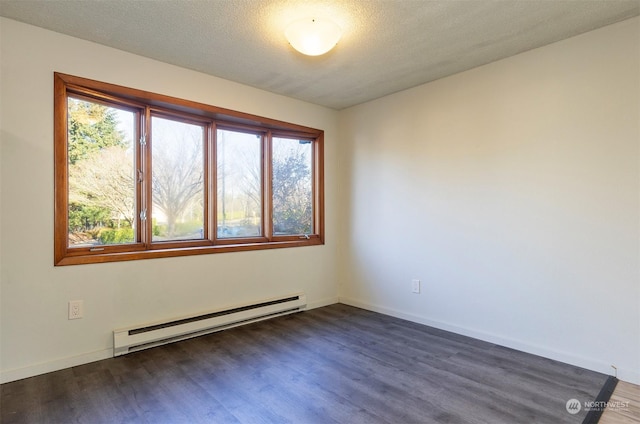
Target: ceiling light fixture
(313,36)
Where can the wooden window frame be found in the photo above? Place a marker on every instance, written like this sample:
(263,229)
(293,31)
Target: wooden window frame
(211,117)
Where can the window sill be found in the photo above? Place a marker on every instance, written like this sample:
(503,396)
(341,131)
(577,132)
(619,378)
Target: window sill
(102,257)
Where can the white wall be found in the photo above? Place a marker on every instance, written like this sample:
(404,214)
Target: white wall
(35,334)
(512,192)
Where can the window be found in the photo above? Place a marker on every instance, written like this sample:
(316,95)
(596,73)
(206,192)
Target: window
(141,175)
(177,179)
(240,184)
(292,186)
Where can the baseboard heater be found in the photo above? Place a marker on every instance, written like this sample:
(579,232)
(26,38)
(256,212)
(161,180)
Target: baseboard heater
(132,339)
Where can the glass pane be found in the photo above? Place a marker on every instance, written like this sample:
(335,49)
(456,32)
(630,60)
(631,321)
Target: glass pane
(239,184)
(177,162)
(102,187)
(292,186)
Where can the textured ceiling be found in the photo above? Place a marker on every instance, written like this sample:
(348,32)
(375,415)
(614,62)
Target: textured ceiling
(387,45)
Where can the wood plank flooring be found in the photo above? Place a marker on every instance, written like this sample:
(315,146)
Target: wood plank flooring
(336,364)
(625,405)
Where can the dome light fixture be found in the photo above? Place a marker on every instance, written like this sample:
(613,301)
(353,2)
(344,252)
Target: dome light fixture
(313,36)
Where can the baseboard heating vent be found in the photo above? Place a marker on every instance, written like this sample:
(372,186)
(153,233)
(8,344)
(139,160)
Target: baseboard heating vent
(132,339)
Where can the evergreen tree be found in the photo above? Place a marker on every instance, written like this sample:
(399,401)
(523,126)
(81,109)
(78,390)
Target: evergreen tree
(91,127)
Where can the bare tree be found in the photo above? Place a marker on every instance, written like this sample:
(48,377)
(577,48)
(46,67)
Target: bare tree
(178,170)
(239,172)
(105,178)
(292,203)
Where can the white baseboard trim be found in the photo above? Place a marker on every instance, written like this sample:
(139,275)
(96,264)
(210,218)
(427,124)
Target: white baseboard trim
(624,374)
(55,365)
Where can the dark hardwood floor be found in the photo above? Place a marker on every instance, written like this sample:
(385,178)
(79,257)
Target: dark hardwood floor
(336,364)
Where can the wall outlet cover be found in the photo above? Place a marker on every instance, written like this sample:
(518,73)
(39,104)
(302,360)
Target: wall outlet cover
(76,309)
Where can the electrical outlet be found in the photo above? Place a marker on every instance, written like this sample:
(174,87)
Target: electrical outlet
(415,286)
(76,309)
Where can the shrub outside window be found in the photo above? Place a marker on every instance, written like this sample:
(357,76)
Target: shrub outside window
(141,175)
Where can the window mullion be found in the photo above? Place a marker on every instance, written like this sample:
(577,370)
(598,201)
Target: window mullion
(267,195)
(211,186)
(144,215)
(139,174)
